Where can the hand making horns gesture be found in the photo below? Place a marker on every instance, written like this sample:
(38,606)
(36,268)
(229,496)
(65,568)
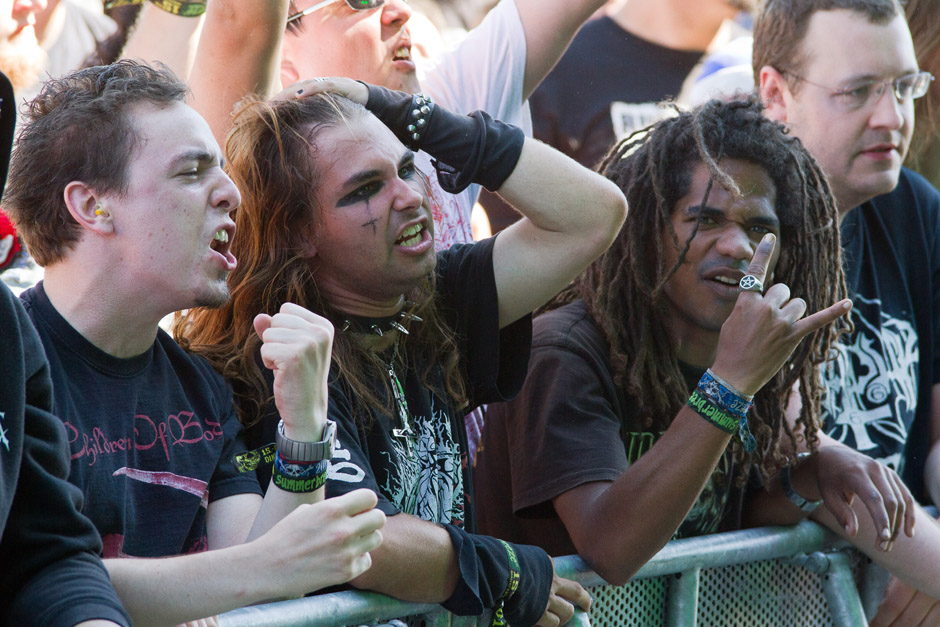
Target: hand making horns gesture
(763,329)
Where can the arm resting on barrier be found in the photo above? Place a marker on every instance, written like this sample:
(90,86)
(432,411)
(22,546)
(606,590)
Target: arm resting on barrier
(618,526)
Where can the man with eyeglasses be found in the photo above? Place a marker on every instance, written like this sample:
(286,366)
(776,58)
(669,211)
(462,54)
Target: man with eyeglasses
(843,76)
(494,69)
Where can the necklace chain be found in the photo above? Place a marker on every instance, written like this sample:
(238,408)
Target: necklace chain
(404,430)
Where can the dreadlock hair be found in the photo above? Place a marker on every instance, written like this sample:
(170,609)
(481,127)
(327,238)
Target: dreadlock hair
(275,160)
(624,288)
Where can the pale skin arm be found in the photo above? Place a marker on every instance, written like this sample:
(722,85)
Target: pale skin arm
(549,27)
(904,605)
(296,544)
(618,526)
(161,36)
(313,547)
(570,216)
(883,503)
(239,54)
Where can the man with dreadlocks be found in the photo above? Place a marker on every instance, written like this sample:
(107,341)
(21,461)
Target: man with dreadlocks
(604,452)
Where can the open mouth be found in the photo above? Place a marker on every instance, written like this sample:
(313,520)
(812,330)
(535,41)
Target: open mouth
(411,236)
(402,54)
(725,277)
(220,243)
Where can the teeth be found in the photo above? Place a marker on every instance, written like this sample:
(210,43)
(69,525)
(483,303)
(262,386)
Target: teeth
(402,53)
(221,236)
(411,236)
(726,280)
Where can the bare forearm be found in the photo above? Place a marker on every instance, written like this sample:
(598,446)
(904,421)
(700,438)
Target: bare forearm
(238,54)
(174,590)
(278,504)
(549,27)
(416,562)
(557,194)
(571,216)
(914,560)
(623,526)
(162,36)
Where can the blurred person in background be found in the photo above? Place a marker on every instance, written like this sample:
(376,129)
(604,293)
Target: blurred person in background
(923,18)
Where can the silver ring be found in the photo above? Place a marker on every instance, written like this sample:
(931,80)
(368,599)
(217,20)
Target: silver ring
(750,283)
(320,79)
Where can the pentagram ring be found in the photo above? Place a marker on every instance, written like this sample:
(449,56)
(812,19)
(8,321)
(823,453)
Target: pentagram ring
(750,283)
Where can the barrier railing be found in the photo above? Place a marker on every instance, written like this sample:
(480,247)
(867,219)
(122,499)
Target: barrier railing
(800,575)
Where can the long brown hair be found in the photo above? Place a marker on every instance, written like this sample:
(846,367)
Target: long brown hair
(925,31)
(273,157)
(624,288)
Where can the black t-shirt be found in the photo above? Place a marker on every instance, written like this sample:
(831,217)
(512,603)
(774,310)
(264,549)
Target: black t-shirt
(51,573)
(569,426)
(879,386)
(604,87)
(433,481)
(151,437)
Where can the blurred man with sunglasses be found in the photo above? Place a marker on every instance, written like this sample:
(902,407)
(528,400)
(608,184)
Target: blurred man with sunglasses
(494,69)
(843,76)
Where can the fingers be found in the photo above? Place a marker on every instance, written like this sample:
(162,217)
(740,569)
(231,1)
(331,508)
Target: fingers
(821,318)
(573,592)
(777,295)
(261,323)
(760,261)
(361,564)
(564,596)
(558,612)
(794,310)
(841,508)
(356,502)
(910,507)
(346,87)
(292,329)
(880,500)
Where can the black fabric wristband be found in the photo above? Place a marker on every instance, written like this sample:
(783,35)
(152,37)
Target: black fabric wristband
(483,574)
(468,149)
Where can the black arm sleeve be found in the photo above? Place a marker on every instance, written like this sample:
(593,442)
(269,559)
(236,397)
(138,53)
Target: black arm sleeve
(483,565)
(469,149)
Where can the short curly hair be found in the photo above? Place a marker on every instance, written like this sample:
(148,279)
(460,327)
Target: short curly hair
(78,129)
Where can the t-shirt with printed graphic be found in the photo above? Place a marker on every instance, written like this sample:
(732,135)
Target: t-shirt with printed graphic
(428,474)
(484,72)
(879,385)
(151,437)
(605,87)
(569,426)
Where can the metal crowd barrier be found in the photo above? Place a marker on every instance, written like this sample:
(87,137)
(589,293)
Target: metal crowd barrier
(773,576)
